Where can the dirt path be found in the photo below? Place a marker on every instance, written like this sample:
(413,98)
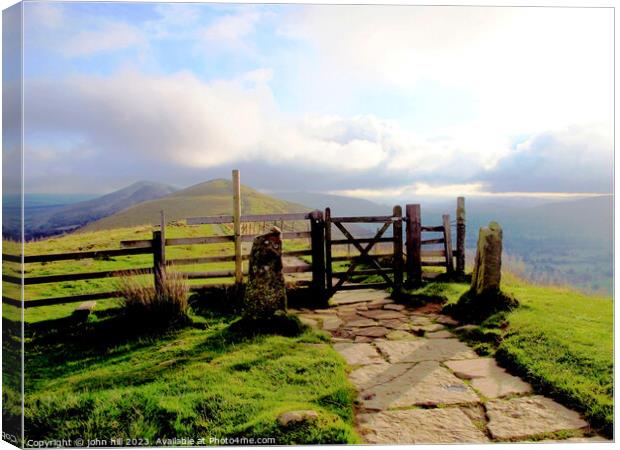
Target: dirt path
(418,384)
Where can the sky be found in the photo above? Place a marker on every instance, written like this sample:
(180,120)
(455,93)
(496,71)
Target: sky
(377,102)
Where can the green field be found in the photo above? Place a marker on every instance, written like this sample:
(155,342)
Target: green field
(558,339)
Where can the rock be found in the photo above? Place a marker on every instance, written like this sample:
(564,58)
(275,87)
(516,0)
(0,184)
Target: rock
(420,426)
(443,334)
(394,307)
(359,354)
(295,417)
(362,322)
(380,314)
(527,416)
(400,335)
(487,273)
(424,384)
(312,323)
(488,378)
(371,331)
(446,320)
(421,321)
(265,293)
(425,350)
(395,324)
(466,328)
(362,339)
(379,303)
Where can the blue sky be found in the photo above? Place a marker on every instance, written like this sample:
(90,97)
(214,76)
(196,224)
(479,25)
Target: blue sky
(374,101)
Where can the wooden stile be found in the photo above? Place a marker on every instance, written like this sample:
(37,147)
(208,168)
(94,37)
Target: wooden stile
(414,245)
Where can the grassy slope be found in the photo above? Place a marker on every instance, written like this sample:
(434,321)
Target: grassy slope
(205,199)
(558,339)
(195,382)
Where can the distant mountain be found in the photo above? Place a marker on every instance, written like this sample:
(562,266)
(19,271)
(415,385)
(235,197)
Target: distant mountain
(205,199)
(339,205)
(45,219)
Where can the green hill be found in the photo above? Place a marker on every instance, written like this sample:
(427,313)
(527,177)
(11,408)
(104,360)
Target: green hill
(210,198)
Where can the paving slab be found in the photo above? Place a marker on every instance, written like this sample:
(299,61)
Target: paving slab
(359,354)
(361,322)
(400,335)
(369,376)
(363,339)
(394,307)
(395,324)
(375,332)
(420,321)
(425,350)
(442,334)
(357,296)
(382,314)
(331,323)
(424,384)
(420,426)
(488,377)
(428,328)
(526,416)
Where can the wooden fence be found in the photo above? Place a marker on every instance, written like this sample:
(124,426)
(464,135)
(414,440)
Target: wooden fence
(321,242)
(157,247)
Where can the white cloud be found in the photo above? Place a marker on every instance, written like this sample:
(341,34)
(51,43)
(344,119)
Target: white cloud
(110,36)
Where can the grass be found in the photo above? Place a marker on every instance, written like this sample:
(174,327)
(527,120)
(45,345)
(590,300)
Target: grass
(558,339)
(196,382)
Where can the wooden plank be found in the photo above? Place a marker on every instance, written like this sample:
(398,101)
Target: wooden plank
(87,255)
(397,259)
(11,301)
(86,276)
(11,258)
(11,279)
(202,260)
(298,252)
(434,263)
(413,244)
(460,235)
(448,243)
(433,241)
(360,241)
(200,240)
(433,229)
(287,235)
(70,299)
(433,253)
(210,274)
(363,219)
(248,218)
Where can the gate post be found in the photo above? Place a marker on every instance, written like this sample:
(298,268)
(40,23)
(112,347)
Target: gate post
(414,246)
(460,235)
(328,251)
(159,260)
(447,235)
(397,218)
(317,236)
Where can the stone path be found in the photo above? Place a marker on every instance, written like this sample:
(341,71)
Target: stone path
(418,384)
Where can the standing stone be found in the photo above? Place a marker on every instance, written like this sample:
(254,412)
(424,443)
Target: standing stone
(488,265)
(266,291)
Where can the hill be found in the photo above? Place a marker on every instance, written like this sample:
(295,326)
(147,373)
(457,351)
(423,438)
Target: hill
(46,215)
(339,204)
(210,198)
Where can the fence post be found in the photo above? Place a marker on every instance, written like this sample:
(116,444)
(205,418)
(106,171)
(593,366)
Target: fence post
(414,246)
(460,235)
(328,251)
(317,233)
(158,261)
(447,234)
(237,226)
(397,217)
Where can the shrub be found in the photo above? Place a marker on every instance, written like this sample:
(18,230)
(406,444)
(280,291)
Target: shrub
(140,299)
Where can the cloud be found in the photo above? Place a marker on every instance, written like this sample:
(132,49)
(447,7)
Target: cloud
(572,159)
(109,36)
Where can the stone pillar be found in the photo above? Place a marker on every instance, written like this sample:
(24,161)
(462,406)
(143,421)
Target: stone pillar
(487,273)
(265,293)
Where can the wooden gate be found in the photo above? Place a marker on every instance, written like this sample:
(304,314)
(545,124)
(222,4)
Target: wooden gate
(364,246)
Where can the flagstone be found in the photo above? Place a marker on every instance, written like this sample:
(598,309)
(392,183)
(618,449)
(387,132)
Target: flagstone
(359,354)
(488,377)
(425,350)
(382,314)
